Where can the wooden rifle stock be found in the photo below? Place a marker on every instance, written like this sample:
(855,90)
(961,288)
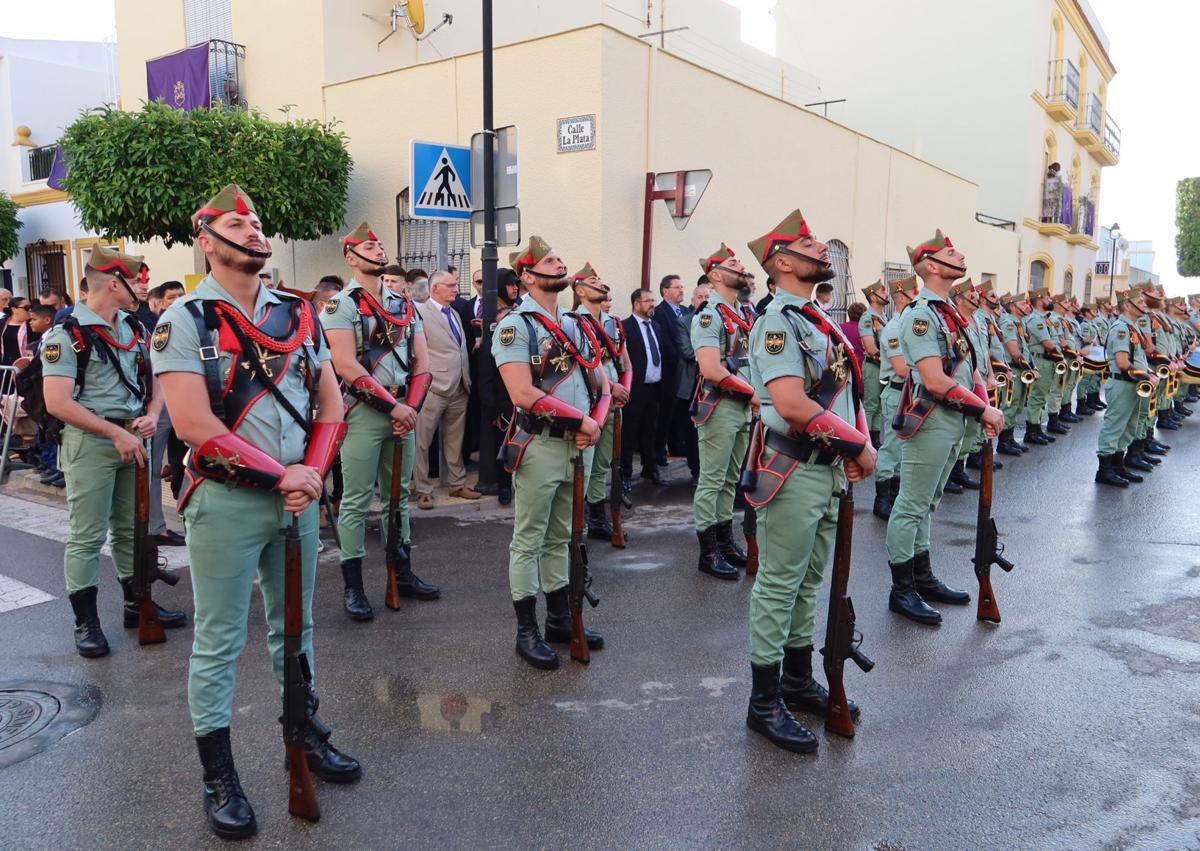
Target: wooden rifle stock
(839,628)
(578,576)
(145,560)
(987,548)
(748,483)
(615,489)
(297,675)
(392,598)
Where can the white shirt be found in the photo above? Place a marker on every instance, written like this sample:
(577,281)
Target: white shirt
(653,373)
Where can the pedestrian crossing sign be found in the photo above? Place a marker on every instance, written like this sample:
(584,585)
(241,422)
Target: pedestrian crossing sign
(441,181)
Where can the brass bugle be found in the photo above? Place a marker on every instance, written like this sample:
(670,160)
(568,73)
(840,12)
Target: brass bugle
(1075,365)
(1163,370)
(1060,367)
(1145,389)
(1001,379)
(1027,376)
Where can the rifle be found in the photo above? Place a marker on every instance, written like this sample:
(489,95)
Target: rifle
(988,549)
(748,482)
(146,567)
(579,580)
(393,552)
(841,641)
(297,681)
(615,491)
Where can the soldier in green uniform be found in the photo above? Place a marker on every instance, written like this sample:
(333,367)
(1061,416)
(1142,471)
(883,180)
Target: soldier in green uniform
(1047,355)
(1088,386)
(1000,372)
(1154,343)
(591,292)
(1016,345)
(244,372)
(966,302)
(803,453)
(557,384)
(96,379)
(1069,343)
(869,326)
(893,370)
(379,351)
(722,409)
(945,388)
(1129,370)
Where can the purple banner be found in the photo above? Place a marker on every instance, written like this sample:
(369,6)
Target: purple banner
(180,78)
(1068,209)
(58,170)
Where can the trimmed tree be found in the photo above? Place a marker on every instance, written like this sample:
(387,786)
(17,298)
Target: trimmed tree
(141,175)
(1187,223)
(10,224)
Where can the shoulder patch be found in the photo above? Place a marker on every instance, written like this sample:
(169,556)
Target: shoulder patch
(331,306)
(920,327)
(161,336)
(1121,335)
(1039,327)
(893,342)
(52,351)
(508,336)
(705,320)
(774,342)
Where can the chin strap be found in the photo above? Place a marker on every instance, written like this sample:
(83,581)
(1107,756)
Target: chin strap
(323,445)
(379,264)
(368,390)
(832,431)
(231,458)
(558,413)
(418,389)
(736,388)
(259,255)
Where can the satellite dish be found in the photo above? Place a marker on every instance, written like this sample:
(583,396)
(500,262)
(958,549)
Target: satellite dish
(1122,244)
(415,10)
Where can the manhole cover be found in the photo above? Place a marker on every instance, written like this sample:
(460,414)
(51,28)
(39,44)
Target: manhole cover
(33,716)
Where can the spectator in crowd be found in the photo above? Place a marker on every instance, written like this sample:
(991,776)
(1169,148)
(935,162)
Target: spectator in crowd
(41,320)
(60,301)
(267,280)
(393,277)
(641,413)
(497,407)
(850,328)
(445,408)
(169,292)
(327,288)
(824,295)
(677,433)
(147,317)
(666,318)
(419,289)
(746,296)
(412,274)
(761,307)
(5,299)
(15,331)
(154,299)
(466,309)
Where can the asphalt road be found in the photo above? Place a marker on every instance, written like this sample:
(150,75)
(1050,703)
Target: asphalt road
(1073,724)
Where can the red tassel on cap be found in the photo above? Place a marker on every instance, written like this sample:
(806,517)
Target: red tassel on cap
(241,206)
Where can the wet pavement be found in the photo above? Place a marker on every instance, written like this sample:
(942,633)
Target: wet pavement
(1073,724)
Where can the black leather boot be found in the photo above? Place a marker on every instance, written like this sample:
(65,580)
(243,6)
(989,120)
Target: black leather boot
(530,646)
(1096,401)
(895,488)
(1066,415)
(768,715)
(1106,475)
(1006,445)
(597,522)
(229,813)
(875,439)
(1056,426)
(975,460)
(959,476)
(1155,448)
(952,486)
(727,547)
(169,618)
(883,500)
(1183,409)
(354,598)
(1134,461)
(558,621)
(1083,408)
(904,599)
(324,760)
(711,561)
(1118,462)
(1142,455)
(932,588)
(411,585)
(798,688)
(89,638)
(1034,436)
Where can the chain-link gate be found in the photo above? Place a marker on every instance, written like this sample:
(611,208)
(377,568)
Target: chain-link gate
(418,247)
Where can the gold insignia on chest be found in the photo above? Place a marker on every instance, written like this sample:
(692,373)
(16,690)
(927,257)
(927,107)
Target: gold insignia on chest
(774,342)
(920,327)
(962,345)
(265,357)
(837,363)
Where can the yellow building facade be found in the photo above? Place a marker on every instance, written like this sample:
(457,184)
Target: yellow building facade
(654,110)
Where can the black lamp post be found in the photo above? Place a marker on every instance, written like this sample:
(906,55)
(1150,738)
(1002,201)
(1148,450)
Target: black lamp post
(1112,266)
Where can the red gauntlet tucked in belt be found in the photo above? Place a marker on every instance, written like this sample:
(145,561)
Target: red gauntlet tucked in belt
(829,429)
(736,388)
(231,458)
(323,445)
(961,399)
(558,413)
(370,392)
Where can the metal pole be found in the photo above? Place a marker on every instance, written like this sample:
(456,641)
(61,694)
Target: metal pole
(1112,266)
(443,242)
(647,229)
(488,257)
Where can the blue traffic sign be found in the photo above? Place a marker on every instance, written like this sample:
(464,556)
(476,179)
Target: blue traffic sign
(441,181)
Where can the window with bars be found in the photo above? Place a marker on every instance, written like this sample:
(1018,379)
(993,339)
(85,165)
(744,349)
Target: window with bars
(843,284)
(204,20)
(1037,275)
(1087,288)
(1068,283)
(419,244)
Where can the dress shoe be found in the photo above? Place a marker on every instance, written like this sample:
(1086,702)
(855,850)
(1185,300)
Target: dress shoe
(769,716)
(424,501)
(530,645)
(49,476)
(169,538)
(465,493)
(229,813)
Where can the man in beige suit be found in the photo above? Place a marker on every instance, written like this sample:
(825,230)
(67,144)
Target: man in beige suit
(446,405)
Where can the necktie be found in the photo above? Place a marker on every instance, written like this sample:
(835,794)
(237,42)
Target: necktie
(453,327)
(655,354)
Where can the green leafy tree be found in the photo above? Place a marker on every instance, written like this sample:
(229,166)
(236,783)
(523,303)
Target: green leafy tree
(141,175)
(1187,223)
(9,225)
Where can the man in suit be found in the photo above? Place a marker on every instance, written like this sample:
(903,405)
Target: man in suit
(666,318)
(645,346)
(445,407)
(470,311)
(676,430)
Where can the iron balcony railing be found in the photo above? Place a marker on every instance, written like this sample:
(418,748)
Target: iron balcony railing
(1058,205)
(1085,218)
(1093,116)
(225,74)
(1062,82)
(1112,135)
(41,160)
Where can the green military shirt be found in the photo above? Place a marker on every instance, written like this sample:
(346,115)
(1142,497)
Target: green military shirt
(776,352)
(511,344)
(341,313)
(924,334)
(1038,331)
(104,394)
(866,328)
(266,424)
(1120,339)
(889,347)
(708,330)
(611,327)
(995,342)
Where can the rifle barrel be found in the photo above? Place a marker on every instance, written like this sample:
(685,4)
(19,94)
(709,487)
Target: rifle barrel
(392,598)
(302,797)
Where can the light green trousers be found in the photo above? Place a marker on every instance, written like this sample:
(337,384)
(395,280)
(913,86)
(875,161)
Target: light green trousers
(367,462)
(1039,393)
(723,443)
(797,530)
(888,461)
(1121,417)
(542,491)
(925,464)
(100,498)
(600,464)
(871,394)
(234,535)
(1013,410)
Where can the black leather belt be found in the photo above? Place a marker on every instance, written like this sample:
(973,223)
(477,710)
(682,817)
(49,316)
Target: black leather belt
(533,425)
(871,360)
(118,421)
(1120,376)
(1048,359)
(800,449)
(896,383)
